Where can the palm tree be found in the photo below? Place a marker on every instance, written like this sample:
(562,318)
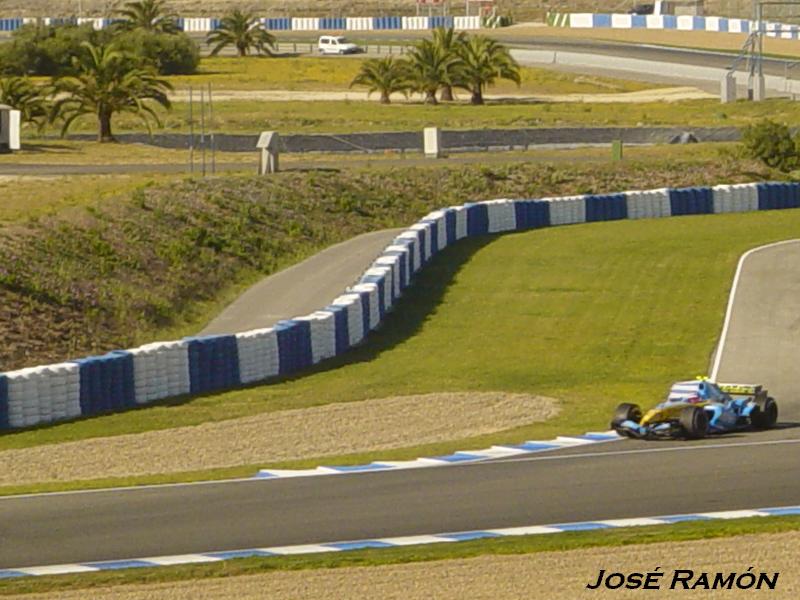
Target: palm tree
(243,31)
(449,42)
(149,15)
(431,68)
(385,75)
(483,61)
(109,81)
(30,99)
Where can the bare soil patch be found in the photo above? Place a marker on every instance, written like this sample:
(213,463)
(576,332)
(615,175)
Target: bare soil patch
(551,575)
(328,430)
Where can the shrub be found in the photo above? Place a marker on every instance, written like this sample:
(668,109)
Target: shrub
(169,53)
(48,50)
(44,50)
(773,144)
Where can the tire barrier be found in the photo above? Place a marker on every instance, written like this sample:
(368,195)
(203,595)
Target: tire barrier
(206,24)
(671,22)
(197,365)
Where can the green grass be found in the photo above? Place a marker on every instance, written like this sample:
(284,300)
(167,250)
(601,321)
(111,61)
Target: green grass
(336,73)
(591,314)
(679,532)
(346,116)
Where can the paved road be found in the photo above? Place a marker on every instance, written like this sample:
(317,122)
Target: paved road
(623,479)
(302,288)
(764,330)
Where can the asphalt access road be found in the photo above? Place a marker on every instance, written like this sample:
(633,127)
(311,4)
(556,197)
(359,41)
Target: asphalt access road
(605,481)
(655,53)
(302,288)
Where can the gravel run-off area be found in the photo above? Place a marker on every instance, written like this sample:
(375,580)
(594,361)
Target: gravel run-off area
(329,430)
(546,575)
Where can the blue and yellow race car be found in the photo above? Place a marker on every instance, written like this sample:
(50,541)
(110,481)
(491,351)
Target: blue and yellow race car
(694,409)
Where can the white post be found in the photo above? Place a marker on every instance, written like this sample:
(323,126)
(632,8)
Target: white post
(728,88)
(13,130)
(268,160)
(758,86)
(432,142)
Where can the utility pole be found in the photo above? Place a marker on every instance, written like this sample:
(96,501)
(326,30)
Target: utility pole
(191,131)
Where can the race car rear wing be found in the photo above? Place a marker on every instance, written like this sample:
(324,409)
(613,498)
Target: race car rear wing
(741,389)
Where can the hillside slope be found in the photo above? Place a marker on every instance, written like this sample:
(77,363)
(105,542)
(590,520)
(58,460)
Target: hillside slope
(136,269)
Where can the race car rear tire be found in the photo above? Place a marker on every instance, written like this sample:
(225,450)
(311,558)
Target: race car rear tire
(766,413)
(625,412)
(694,422)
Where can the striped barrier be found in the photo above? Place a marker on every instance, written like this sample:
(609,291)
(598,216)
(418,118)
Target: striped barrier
(199,365)
(680,23)
(206,24)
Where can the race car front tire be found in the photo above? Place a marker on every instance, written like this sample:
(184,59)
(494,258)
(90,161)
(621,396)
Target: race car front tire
(694,422)
(625,412)
(765,415)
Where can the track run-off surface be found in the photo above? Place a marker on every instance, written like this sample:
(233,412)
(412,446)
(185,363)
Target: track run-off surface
(609,481)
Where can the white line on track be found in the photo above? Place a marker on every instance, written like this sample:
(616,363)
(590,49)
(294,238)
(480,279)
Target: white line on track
(637,451)
(481,463)
(732,299)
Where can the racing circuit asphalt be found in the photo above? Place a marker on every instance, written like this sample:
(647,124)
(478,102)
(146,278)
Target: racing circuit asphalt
(606,481)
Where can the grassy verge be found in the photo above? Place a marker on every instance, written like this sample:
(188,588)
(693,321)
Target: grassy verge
(390,556)
(59,152)
(247,116)
(628,335)
(327,73)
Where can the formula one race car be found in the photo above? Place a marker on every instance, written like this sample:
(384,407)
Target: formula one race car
(694,409)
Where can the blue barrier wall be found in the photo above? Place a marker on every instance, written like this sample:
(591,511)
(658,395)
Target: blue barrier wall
(294,346)
(606,208)
(670,22)
(434,241)
(691,201)
(341,328)
(333,23)
(403,268)
(387,23)
(106,382)
(4,424)
(477,219)
(450,226)
(213,363)
(279,24)
(365,306)
(532,214)
(412,255)
(601,20)
(441,21)
(381,283)
(773,196)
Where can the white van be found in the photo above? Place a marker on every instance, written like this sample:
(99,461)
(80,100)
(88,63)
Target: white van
(335,44)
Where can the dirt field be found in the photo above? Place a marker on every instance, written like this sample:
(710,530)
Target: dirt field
(546,575)
(332,429)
